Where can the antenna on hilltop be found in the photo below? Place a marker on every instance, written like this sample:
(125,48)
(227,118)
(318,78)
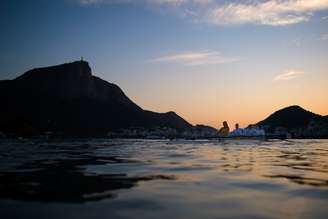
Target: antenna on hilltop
(81,58)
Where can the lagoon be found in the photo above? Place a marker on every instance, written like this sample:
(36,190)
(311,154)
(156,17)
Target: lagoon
(134,178)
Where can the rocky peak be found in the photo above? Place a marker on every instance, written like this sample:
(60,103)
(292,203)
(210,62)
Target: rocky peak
(78,70)
(289,117)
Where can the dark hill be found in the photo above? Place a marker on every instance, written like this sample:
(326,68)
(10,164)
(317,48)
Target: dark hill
(296,121)
(68,99)
(289,117)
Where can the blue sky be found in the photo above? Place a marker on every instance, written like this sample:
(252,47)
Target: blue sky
(208,60)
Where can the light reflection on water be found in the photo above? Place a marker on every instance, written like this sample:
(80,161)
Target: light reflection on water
(159,179)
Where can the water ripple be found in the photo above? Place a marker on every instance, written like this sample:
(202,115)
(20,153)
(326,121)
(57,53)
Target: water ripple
(198,179)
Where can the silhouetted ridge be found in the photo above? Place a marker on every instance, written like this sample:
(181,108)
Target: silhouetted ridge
(289,117)
(74,70)
(165,119)
(68,99)
(297,122)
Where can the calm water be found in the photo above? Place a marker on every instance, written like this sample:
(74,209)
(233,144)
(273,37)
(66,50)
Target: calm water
(164,179)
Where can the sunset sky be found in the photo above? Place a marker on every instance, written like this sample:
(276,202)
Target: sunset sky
(207,60)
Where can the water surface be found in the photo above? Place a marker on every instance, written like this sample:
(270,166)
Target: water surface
(164,179)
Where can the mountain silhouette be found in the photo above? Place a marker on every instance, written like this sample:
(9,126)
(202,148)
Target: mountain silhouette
(290,117)
(68,99)
(297,121)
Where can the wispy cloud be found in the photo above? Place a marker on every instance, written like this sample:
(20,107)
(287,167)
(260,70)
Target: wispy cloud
(297,42)
(324,37)
(236,12)
(196,58)
(90,2)
(288,75)
(267,12)
(95,2)
(156,2)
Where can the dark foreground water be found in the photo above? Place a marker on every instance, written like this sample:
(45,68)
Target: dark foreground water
(164,179)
